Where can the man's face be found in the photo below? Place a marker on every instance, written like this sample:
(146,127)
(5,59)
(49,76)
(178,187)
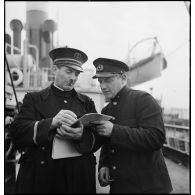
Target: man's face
(110,86)
(66,77)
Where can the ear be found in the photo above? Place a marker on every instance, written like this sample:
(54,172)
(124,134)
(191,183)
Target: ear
(123,76)
(54,68)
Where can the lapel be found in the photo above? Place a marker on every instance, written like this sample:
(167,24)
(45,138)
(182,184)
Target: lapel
(47,104)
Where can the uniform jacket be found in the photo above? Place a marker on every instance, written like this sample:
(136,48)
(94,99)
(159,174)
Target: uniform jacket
(39,173)
(133,152)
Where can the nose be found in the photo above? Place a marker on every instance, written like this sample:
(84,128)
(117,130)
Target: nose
(74,76)
(102,86)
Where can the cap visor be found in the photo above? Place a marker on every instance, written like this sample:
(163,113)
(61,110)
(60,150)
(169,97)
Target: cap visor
(104,75)
(78,68)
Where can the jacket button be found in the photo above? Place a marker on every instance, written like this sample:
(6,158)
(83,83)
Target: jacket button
(112,151)
(43,148)
(114,103)
(42,162)
(114,168)
(65,101)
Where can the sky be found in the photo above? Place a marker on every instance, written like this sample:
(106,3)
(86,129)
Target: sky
(108,29)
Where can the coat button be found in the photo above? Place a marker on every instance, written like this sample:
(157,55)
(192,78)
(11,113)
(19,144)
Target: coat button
(65,101)
(43,148)
(114,168)
(42,162)
(115,103)
(112,151)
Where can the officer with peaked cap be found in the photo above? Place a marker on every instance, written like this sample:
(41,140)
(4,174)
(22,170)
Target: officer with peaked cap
(131,161)
(109,67)
(69,57)
(51,112)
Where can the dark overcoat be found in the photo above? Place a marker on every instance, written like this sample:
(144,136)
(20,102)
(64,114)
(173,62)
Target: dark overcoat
(38,172)
(133,152)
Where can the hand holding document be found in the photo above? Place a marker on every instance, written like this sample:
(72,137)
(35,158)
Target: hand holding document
(65,148)
(89,118)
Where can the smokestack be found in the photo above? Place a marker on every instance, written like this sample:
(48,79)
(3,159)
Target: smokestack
(35,16)
(16,26)
(8,40)
(48,28)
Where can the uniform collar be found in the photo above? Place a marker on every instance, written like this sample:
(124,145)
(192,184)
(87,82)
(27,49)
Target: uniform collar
(57,87)
(120,93)
(49,91)
(60,92)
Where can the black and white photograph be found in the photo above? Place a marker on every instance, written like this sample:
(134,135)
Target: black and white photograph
(97,97)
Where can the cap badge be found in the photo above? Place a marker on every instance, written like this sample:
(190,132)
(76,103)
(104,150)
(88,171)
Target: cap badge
(100,67)
(77,56)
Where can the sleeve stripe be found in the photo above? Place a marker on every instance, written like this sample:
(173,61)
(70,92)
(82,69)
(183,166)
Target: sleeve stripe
(35,132)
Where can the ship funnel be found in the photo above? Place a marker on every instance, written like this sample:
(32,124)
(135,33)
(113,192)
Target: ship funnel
(16,26)
(47,31)
(36,14)
(48,28)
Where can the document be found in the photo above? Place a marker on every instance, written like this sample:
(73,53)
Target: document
(88,118)
(64,148)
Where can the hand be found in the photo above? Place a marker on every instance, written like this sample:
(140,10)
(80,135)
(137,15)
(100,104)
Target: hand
(70,133)
(104,128)
(104,177)
(65,117)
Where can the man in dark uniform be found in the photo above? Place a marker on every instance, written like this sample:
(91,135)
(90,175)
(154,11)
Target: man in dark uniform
(131,160)
(49,112)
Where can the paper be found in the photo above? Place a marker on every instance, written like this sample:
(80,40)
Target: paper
(63,148)
(91,117)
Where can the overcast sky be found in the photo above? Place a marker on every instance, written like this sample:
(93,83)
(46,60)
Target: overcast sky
(107,29)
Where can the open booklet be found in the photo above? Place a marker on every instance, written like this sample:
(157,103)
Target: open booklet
(65,148)
(88,118)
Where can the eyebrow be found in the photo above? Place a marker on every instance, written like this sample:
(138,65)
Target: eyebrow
(106,79)
(71,69)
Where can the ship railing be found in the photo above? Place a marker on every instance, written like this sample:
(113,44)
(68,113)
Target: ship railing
(177,138)
(12,47)
(38,78)
(41,78)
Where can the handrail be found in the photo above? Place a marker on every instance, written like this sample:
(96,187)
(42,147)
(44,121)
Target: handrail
(179,142)
(177,126)
(12,47)
(37,54)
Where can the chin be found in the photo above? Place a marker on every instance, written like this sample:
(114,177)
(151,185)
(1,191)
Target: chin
(67,88)
(107,97)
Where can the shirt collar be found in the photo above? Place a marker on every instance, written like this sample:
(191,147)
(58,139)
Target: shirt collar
(57,87)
